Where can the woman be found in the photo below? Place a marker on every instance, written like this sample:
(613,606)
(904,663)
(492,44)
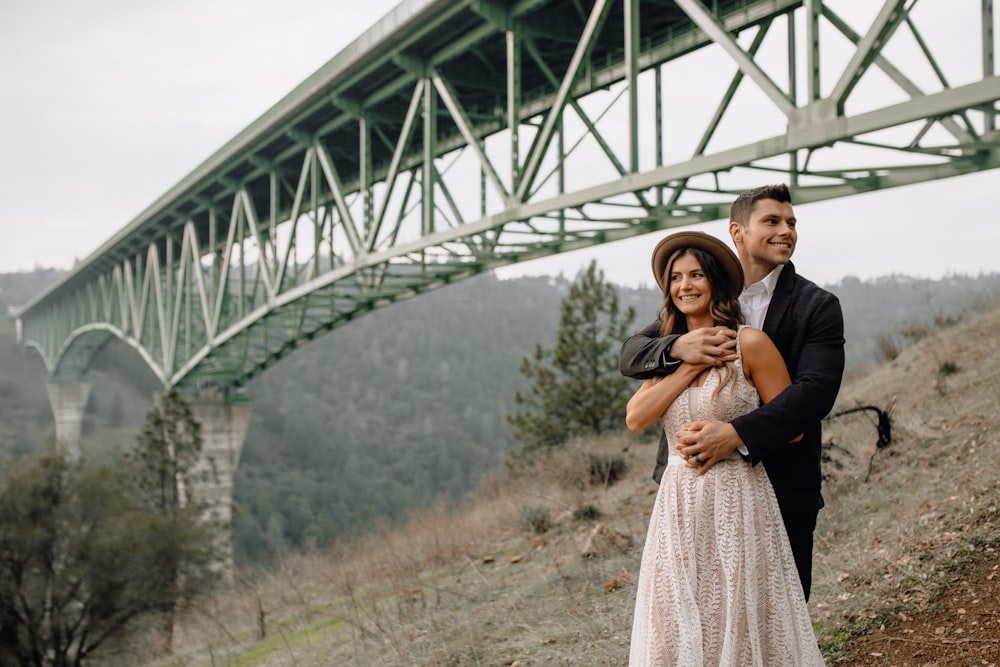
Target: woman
(717,584)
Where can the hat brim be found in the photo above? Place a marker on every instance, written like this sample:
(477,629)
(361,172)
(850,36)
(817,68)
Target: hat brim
(715,247)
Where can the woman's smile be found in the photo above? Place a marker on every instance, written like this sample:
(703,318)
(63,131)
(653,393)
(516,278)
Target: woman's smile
(689,286)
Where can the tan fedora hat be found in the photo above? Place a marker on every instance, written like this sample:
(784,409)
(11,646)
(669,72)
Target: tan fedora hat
(715,247)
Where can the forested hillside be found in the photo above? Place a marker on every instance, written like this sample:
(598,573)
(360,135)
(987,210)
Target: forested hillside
(407,404)
(18,289)
(401,407)
(900,309)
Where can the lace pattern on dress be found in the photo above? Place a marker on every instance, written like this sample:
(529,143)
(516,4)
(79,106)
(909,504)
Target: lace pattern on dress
(717,583)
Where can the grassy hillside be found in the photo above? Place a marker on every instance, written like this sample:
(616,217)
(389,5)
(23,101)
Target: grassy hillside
(498,578)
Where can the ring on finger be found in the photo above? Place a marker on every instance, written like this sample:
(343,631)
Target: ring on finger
(697,458)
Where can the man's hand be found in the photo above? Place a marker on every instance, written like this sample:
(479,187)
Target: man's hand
(713,346)
(711,441)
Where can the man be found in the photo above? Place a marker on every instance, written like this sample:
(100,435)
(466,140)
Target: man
(807,326)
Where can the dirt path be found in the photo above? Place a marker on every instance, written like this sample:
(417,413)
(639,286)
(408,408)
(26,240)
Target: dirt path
(959,629)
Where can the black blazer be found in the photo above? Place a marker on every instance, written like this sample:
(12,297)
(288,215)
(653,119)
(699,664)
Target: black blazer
(807,326)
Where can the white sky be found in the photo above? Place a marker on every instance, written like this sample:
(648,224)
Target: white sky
(106,104)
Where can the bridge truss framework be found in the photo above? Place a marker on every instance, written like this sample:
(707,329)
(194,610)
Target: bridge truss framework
(456,136)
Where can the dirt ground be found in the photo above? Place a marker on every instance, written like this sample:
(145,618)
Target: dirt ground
(959,629)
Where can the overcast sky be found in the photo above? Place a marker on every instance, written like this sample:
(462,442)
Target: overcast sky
(107,104)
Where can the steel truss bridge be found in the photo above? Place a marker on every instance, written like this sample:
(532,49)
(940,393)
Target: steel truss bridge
(456,136)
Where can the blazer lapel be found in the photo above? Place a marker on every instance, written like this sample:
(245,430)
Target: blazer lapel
(779,300)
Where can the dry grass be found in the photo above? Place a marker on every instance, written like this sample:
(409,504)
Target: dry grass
(931,503)
(498,579)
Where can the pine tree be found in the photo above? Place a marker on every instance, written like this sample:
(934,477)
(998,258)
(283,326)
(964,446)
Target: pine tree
(576,388)
(166,451)
(164,456)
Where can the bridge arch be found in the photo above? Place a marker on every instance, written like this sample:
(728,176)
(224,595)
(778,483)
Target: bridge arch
(77,353)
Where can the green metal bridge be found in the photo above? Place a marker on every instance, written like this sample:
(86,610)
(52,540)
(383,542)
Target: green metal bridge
(456,136)
(459,135)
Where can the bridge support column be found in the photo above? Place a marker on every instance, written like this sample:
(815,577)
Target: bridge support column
(223,430)
(68,401)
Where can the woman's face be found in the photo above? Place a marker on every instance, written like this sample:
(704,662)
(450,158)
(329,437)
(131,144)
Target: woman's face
(690,290)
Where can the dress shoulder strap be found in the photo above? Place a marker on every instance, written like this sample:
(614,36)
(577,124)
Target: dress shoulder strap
(739,349)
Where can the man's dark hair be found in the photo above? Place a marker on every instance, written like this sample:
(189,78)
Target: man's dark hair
(743,206)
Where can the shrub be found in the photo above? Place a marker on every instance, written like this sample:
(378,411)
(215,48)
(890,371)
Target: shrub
(536,519)
(605,469)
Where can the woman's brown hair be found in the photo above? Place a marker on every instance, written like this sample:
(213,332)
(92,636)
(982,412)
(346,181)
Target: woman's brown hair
(725,304)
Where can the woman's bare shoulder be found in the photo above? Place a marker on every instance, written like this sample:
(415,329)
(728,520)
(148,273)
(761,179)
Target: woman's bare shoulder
(755,341)
(751,336)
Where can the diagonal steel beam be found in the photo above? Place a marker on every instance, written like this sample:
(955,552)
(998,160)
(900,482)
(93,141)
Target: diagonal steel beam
(544,136)
(888,19)
(714,29)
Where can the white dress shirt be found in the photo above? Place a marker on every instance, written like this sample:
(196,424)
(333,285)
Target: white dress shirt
(754,300)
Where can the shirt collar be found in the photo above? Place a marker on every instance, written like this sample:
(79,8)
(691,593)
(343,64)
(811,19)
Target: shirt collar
(766,284)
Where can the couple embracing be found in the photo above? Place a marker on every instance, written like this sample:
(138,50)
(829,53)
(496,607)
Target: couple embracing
(744,361)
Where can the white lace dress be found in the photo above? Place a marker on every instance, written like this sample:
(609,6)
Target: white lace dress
(718,585)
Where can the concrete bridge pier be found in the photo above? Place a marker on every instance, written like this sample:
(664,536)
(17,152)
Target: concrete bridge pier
(68,400)
(223,431)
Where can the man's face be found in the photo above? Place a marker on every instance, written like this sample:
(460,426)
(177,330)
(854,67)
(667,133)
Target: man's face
(769,237)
